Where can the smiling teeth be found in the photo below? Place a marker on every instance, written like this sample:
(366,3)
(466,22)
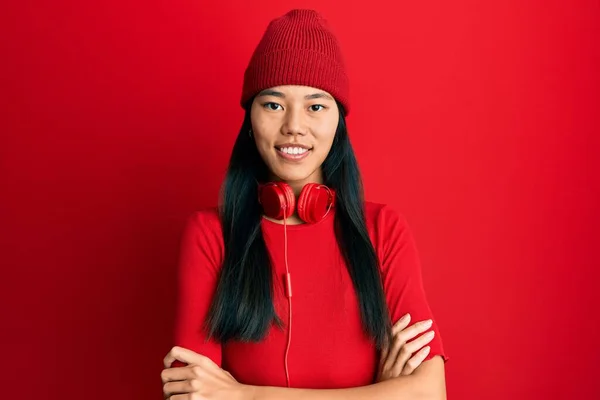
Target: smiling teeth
(294,150)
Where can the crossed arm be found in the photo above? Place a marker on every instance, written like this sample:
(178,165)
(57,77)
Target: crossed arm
(201,378)
(426,383)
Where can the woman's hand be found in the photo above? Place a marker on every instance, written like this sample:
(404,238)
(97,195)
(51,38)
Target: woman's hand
(201,378)
(400,358)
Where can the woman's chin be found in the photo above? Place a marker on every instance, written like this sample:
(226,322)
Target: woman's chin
(293,178)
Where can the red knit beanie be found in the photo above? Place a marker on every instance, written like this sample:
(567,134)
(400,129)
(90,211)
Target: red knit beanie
(298,48)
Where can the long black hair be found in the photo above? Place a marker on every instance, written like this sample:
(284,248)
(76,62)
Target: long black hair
(242,308)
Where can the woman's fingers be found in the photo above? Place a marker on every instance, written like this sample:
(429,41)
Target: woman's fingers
(418,343)
(409,349)
(177,374)
(415,330)
(398,326)
(416,360)
(180,387)
(390,350)
(183,355)
(400,338)
(401,324)
(180,380)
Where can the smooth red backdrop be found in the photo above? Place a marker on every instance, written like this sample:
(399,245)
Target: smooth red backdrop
(479,120)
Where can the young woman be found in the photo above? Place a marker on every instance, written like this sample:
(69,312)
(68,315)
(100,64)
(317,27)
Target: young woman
(289,288)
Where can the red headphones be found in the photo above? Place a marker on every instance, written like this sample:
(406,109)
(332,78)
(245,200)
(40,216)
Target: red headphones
(279,202)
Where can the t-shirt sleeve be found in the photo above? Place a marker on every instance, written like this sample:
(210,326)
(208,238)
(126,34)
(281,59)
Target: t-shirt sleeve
(199,264)
(402,278)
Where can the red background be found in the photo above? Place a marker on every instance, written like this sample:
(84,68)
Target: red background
(479,120)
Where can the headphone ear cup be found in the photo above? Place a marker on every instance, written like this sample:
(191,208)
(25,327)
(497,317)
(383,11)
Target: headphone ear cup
(314,202)
(277,200)
(290,197)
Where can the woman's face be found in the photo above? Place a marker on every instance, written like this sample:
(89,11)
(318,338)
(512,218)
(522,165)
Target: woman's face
(294,127)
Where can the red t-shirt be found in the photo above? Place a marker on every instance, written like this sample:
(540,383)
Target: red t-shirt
(328,346)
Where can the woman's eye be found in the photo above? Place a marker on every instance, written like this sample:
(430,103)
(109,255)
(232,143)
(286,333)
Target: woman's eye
(272,106)
(316,107)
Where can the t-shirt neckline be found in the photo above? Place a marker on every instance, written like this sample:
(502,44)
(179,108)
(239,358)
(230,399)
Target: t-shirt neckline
(277,225)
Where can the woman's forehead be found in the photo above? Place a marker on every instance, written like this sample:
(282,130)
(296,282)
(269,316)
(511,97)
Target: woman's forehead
(295,91)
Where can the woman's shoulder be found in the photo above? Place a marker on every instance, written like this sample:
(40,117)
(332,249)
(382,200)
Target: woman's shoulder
(205,222)
(387,226)
(382,215)
(202,242)
(206,216)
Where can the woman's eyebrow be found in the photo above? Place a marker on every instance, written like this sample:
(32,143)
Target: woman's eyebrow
(318,96)
(269,92)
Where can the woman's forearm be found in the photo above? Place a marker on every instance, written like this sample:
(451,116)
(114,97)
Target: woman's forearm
(402,388)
